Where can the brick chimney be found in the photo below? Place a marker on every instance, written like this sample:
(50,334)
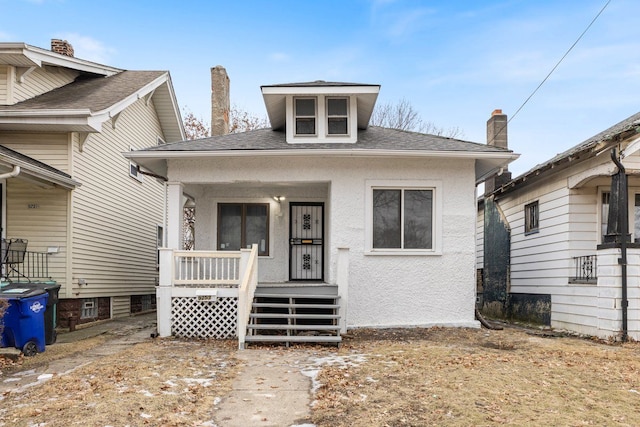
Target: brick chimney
(220,105)
(497,137)
(62,47)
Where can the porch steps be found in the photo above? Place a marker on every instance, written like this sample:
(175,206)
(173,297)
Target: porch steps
(294,318)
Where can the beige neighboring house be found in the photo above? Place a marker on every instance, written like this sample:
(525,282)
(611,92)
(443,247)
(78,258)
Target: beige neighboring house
(90,217)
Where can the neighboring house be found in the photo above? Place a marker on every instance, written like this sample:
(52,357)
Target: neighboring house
(382,218)
(90,218)
(544,250)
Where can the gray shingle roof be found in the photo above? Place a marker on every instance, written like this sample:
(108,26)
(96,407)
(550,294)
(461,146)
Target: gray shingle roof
(372,138)
(318,83)
(95,94)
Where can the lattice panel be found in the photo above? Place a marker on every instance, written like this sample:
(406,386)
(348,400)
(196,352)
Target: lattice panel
(217,319)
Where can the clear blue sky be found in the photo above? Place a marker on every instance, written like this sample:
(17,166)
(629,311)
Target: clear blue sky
(454,61)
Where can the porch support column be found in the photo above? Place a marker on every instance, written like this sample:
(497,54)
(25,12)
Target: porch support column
(163,292)
(342,280)
(174,215)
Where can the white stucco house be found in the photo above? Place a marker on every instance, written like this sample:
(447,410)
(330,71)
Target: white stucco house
(376,223)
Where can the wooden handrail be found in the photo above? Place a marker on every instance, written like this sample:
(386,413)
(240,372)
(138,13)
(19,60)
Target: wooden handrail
(246,292)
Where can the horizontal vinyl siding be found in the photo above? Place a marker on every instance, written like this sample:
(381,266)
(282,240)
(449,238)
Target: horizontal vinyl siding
(4,85)
(42,80)
(52,149)
(43,226)
(115,216)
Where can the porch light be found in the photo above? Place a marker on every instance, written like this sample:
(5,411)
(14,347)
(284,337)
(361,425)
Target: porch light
(278,198)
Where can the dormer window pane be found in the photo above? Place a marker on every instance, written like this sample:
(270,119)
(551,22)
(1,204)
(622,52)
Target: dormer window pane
(305,116)
(337,109)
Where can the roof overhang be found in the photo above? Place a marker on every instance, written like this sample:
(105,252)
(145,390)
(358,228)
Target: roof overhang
(487,163)
(275,99)
(35,174)
(24,55)
(84,120)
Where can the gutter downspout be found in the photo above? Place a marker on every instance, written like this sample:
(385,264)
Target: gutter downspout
(15,172)
(624,230)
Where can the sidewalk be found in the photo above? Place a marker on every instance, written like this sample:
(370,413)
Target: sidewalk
(119,326)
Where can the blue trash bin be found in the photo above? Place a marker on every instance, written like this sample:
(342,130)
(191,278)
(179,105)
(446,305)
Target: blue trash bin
(23,320)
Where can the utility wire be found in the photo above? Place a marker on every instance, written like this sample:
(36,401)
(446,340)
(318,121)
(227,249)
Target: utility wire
(556,66)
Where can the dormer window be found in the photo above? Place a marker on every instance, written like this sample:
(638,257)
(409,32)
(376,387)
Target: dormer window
(305,116)
(337,116)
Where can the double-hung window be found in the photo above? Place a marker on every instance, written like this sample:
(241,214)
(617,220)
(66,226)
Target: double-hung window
(305,115)
(337,115)
(240,225)
(404,219)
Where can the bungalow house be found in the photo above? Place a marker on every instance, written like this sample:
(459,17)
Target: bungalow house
(373,227)
(89,218)
(550,246)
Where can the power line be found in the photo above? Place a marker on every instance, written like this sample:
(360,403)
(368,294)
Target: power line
(556,66)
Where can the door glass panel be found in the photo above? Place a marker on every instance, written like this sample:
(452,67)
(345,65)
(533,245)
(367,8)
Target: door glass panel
(386,218)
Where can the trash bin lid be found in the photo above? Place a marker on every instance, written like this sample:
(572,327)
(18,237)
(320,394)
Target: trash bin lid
(19,293)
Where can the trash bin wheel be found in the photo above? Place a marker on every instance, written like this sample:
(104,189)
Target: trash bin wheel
(30,349)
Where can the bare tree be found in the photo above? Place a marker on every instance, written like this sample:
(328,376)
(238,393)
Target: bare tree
(243,121)
(401,115)
(195,127)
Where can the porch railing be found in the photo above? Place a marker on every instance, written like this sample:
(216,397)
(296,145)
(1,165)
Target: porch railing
(586,269)
(20,265)
(206,294)
(246,293)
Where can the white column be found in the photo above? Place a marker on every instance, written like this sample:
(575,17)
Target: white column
(342,280)
(174,215)
(163,292)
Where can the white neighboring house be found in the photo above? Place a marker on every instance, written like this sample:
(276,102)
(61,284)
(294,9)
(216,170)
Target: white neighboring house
(382,220)
(542,248)
(85,211)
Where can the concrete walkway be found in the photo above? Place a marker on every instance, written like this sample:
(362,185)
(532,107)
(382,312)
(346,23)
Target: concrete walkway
(270,390)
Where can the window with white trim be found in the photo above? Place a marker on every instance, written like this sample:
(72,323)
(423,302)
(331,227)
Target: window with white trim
(133,169)
(337,116)
(89,308)
(305,116)
(403,219)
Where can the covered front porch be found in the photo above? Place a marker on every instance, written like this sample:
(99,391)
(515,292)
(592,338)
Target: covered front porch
(259,267)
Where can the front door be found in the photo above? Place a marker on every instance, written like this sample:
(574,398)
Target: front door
(306,241)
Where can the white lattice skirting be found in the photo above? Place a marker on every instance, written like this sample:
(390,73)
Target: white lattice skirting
(193,318)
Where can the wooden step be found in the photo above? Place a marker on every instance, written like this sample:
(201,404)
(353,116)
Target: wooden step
(294,327)
(294,338)
(296,296)
(293,316)
(294,305)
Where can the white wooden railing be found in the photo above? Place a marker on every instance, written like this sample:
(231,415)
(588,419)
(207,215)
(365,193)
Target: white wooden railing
(189,279)
(246,292)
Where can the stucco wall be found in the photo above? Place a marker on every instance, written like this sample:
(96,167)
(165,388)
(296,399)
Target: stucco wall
(384,290)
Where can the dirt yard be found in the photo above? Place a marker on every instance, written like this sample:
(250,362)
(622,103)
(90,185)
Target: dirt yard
(412,377)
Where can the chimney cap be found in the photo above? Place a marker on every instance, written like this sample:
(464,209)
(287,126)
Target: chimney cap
(496,112)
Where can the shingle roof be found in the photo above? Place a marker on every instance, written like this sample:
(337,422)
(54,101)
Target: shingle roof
(372,138)
(95,94)
(319,83)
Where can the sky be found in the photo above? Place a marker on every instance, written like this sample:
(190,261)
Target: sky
(454,61)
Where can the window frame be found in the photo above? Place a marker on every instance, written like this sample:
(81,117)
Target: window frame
(436,216)
(243,205)
(532,222)
(339,116)
(296,116)
(133,169)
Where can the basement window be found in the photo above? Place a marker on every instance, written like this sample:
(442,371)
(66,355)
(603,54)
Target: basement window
(531,220)
(89,308)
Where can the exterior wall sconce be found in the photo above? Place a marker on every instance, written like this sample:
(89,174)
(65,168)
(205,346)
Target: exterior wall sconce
(279,199)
